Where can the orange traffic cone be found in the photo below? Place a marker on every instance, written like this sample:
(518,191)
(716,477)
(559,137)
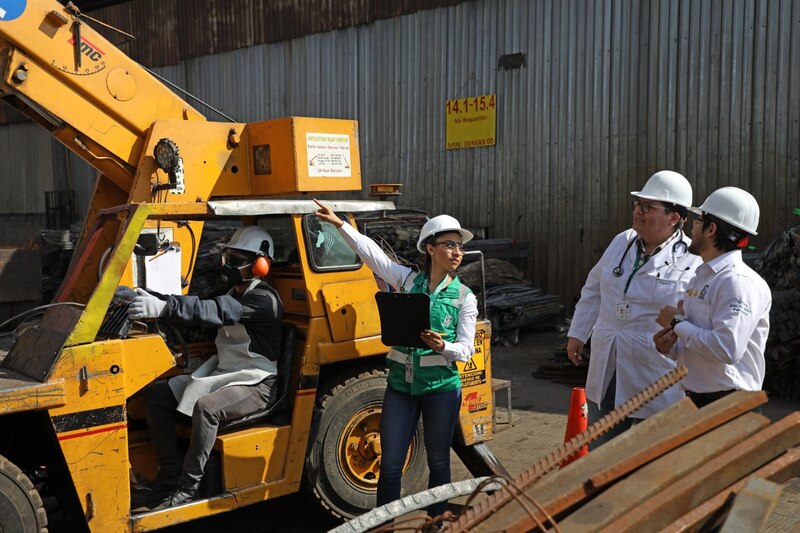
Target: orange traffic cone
(577,421)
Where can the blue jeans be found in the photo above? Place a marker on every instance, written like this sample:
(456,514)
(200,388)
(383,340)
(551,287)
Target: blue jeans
(401,413)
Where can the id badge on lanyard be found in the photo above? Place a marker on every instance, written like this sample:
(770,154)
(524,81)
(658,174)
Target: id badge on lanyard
(409,370)
(623,310)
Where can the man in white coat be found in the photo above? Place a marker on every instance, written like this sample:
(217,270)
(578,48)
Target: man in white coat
(239,380)
(643,269)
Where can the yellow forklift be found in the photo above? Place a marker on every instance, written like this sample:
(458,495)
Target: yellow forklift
(71,423)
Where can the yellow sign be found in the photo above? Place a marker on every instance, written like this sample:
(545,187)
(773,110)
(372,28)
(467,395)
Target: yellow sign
(473,372)
(471,122)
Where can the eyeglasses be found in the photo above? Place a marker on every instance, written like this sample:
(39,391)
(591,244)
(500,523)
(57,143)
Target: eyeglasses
(236,261)
(646,208)
(451,246)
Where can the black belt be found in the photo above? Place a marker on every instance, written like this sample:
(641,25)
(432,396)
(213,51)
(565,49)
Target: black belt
(701,399)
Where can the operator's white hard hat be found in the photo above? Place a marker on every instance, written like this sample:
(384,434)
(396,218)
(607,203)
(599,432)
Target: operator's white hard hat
(667,186)
(252,239)
(441,224)
(733,205)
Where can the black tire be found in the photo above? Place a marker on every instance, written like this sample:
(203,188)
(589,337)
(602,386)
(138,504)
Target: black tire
(331,473)
(21,508)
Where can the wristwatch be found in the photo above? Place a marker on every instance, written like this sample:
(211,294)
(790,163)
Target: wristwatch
(677,319)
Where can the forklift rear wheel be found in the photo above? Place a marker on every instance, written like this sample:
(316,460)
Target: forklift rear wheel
(343,463)
(21,507)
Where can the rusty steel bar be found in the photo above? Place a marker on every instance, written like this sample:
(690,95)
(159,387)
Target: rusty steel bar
(782,469)
(642,443)
(646,482)
(694,489)
(721,411)
(569,483)
(553,459)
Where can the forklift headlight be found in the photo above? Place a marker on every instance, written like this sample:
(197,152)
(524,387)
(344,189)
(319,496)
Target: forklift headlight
(166,155)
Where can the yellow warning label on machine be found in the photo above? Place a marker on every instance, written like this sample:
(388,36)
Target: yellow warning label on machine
(473,372)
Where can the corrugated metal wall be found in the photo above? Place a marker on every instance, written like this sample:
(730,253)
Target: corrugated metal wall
(26,168)
(611,91)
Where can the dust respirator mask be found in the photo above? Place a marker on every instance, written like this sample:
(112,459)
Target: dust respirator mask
(232,273)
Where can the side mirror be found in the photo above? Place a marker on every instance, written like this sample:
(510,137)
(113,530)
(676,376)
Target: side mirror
(146,245)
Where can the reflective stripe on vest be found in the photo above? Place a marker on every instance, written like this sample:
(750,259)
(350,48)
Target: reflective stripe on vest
(424,360)
(433,360)
(397,356)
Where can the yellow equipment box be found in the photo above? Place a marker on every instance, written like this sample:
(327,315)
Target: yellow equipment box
(298,154)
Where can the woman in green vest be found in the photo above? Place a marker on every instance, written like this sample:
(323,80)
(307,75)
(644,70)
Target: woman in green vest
(422,381)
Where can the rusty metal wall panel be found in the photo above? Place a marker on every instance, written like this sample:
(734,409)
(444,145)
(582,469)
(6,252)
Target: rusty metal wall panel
(173,30)
(155,24)
(26,171)
(610,92)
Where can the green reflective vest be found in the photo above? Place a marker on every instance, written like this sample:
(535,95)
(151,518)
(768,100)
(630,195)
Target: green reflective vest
(430,371)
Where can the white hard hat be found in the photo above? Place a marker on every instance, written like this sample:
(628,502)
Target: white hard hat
(252,239)
(734,206)
(441,224)
(667,186)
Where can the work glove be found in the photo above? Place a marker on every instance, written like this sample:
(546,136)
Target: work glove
(145,305)
(124,293)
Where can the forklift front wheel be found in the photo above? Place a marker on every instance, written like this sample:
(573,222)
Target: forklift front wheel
(343,463)
(21,507)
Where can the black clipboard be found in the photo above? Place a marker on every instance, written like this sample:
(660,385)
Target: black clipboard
(403,317)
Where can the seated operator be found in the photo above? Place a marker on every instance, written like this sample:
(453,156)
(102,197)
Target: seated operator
(239,380)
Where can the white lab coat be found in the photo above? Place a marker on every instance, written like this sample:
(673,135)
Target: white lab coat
(626,347)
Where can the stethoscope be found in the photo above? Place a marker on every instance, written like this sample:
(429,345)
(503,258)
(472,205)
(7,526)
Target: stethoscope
(679,249)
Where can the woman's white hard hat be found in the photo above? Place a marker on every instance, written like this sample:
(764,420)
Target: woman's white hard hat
(441,224)
(252,239)
(667,186)
(733,205)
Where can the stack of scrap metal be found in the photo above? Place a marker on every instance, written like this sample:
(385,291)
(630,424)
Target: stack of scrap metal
(783,369)
(779,265)
(559,369)
(676,471)
(784,318)
(396,232)
(510,250)
(497,272)
(514,306)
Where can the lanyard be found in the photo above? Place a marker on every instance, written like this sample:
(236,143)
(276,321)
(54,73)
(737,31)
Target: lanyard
(641,260)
